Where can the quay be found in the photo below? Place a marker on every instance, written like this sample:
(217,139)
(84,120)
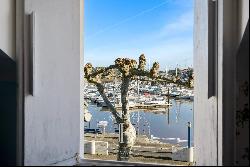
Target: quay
(143,106)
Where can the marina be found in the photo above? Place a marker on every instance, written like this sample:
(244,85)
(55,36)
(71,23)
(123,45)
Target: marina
(168,125)
(144,106)
(159,111)
(160,132)
(161,114)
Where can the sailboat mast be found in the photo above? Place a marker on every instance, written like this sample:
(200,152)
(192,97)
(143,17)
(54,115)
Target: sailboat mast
(138,95)
(166,71)
(176,70)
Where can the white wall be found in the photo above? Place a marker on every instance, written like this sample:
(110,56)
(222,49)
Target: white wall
(205,111)
(215,118)
(7,27)
(82,80)
(52,116)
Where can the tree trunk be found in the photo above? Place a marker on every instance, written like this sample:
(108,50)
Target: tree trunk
(124,98)
(129,136)
(129,132)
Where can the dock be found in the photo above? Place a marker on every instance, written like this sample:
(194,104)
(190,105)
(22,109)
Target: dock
(143,106)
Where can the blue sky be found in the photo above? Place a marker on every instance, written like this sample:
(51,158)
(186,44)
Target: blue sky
(161,29)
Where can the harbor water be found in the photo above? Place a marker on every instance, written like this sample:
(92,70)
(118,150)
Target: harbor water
(169,125)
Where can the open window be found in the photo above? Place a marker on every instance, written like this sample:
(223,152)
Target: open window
(160,111)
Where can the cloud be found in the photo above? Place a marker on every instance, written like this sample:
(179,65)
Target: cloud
(172,52)
(168,52)
(170,45)
(182,24)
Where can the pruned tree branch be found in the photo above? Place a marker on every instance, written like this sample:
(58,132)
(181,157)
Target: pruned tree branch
(95,79)
(103,70)
(100,88)
(177,81)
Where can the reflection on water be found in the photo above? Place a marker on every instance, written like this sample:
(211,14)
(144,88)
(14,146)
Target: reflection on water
(164,124)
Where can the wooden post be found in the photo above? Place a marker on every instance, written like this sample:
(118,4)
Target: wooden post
(189,134)
(168,97)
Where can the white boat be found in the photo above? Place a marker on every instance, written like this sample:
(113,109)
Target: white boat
(156,101)
(187,95)
(130,103)
(175,93)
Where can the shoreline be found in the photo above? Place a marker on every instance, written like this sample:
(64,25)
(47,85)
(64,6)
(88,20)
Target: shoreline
(145,150)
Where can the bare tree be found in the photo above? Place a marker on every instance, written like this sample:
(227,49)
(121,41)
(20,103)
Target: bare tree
(129,70)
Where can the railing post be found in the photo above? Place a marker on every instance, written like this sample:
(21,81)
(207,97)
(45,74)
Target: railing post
(190,150)
(189,134)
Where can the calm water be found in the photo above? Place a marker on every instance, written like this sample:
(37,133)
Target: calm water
(159,124)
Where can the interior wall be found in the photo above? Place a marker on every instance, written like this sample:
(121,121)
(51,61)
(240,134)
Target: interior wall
(205,110)
(81,150)
(52,115)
